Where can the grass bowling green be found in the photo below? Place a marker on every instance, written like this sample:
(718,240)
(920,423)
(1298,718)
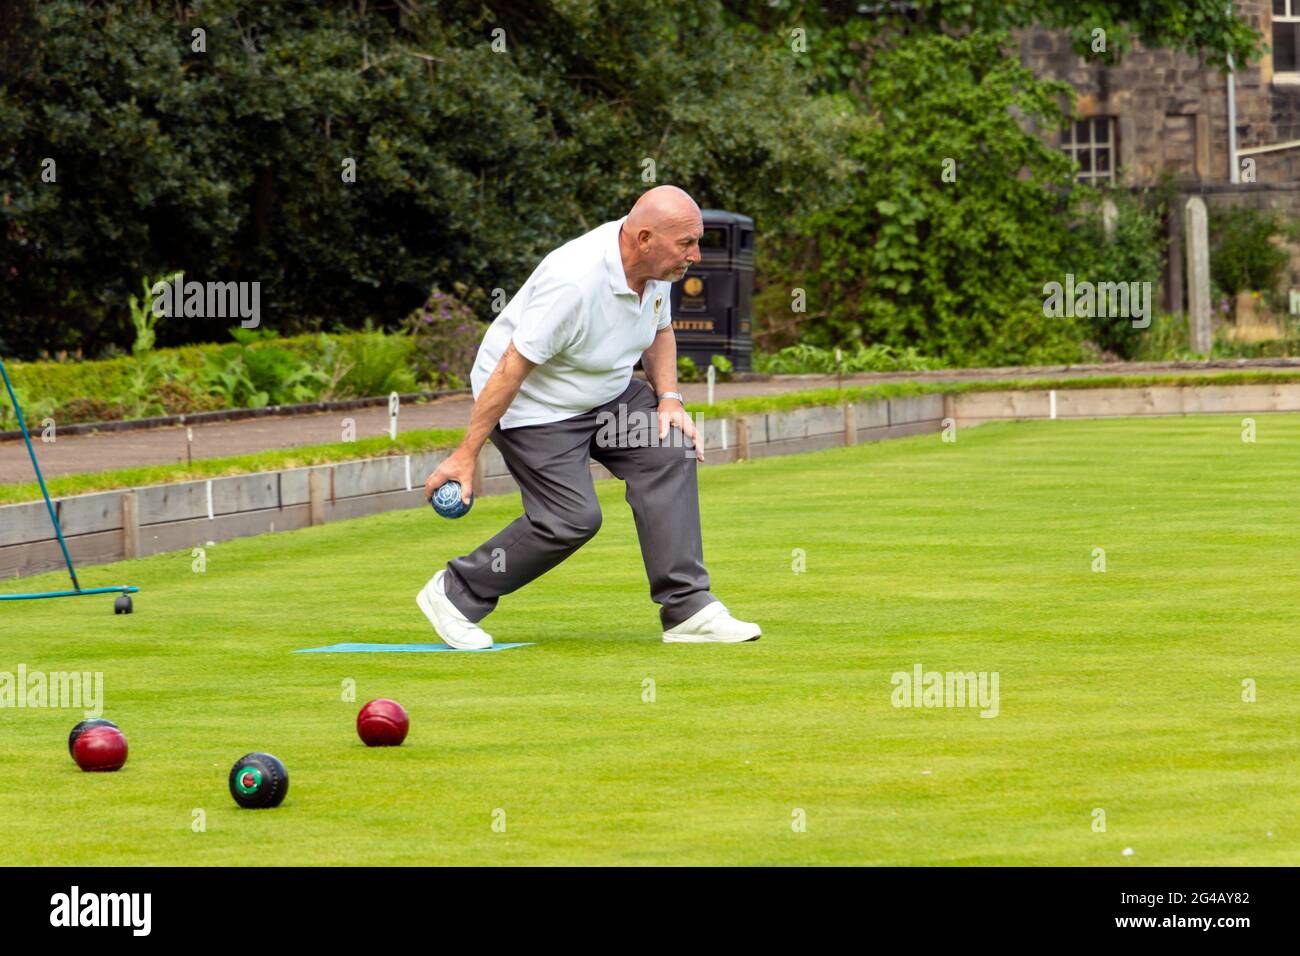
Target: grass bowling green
(1130,584)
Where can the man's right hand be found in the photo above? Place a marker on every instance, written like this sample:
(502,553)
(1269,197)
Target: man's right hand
(489,406)
(459,466)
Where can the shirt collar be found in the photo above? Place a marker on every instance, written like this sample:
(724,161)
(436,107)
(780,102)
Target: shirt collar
(614,264)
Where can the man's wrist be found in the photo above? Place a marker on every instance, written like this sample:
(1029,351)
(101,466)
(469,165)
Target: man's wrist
(670,394)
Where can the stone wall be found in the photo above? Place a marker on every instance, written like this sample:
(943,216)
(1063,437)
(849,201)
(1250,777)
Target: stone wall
(1171,108)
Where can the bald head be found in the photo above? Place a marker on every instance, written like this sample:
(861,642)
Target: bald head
(661,208)
(660,238)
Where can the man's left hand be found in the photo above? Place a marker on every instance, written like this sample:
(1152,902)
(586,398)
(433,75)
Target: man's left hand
(671,414)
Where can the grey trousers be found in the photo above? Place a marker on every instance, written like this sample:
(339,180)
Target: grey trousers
(550,464)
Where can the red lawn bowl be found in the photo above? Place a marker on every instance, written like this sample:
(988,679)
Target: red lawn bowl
(382,723)
(100,748)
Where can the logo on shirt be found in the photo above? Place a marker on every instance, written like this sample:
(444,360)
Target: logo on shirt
(659,303)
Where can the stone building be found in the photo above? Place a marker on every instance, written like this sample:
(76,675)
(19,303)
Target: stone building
(1162,112)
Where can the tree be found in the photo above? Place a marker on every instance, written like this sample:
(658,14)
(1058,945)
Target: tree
(476,152)
(842,34)
(955,266)
(958,222)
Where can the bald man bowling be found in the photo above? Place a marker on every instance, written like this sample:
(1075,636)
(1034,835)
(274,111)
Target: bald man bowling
(553,388)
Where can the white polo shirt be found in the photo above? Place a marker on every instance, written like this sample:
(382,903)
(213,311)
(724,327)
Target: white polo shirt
(578,321)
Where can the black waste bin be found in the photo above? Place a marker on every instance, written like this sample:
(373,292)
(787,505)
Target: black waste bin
(712,304)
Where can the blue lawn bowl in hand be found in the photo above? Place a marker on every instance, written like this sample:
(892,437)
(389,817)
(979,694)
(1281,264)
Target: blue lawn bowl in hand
(446,501)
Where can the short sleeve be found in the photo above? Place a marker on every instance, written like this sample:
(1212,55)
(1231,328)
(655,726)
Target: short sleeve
(549,322)
(667,319)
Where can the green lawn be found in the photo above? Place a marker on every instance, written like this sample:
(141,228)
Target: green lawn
(1119,690)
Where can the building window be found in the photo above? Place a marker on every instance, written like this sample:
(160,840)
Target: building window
(1091,143)
(1286,39)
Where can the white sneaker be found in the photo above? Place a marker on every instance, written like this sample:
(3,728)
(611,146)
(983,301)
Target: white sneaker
(712,624)
(454,628)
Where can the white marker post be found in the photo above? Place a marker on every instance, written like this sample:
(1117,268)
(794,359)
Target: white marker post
(394,402)
(711,377)
(1051,399)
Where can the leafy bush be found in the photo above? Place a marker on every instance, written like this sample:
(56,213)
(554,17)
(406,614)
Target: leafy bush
(34,409)
(256,370)
(333,366)
(142,315)
(90,410)
(286,377)
(1166,340)
(1243,255)
(804,359)
(177,398)
(226,376)
(1135,252)
(445,338)
(149,372)
(688,371)
(951,266)
(379,364)
(104,380)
